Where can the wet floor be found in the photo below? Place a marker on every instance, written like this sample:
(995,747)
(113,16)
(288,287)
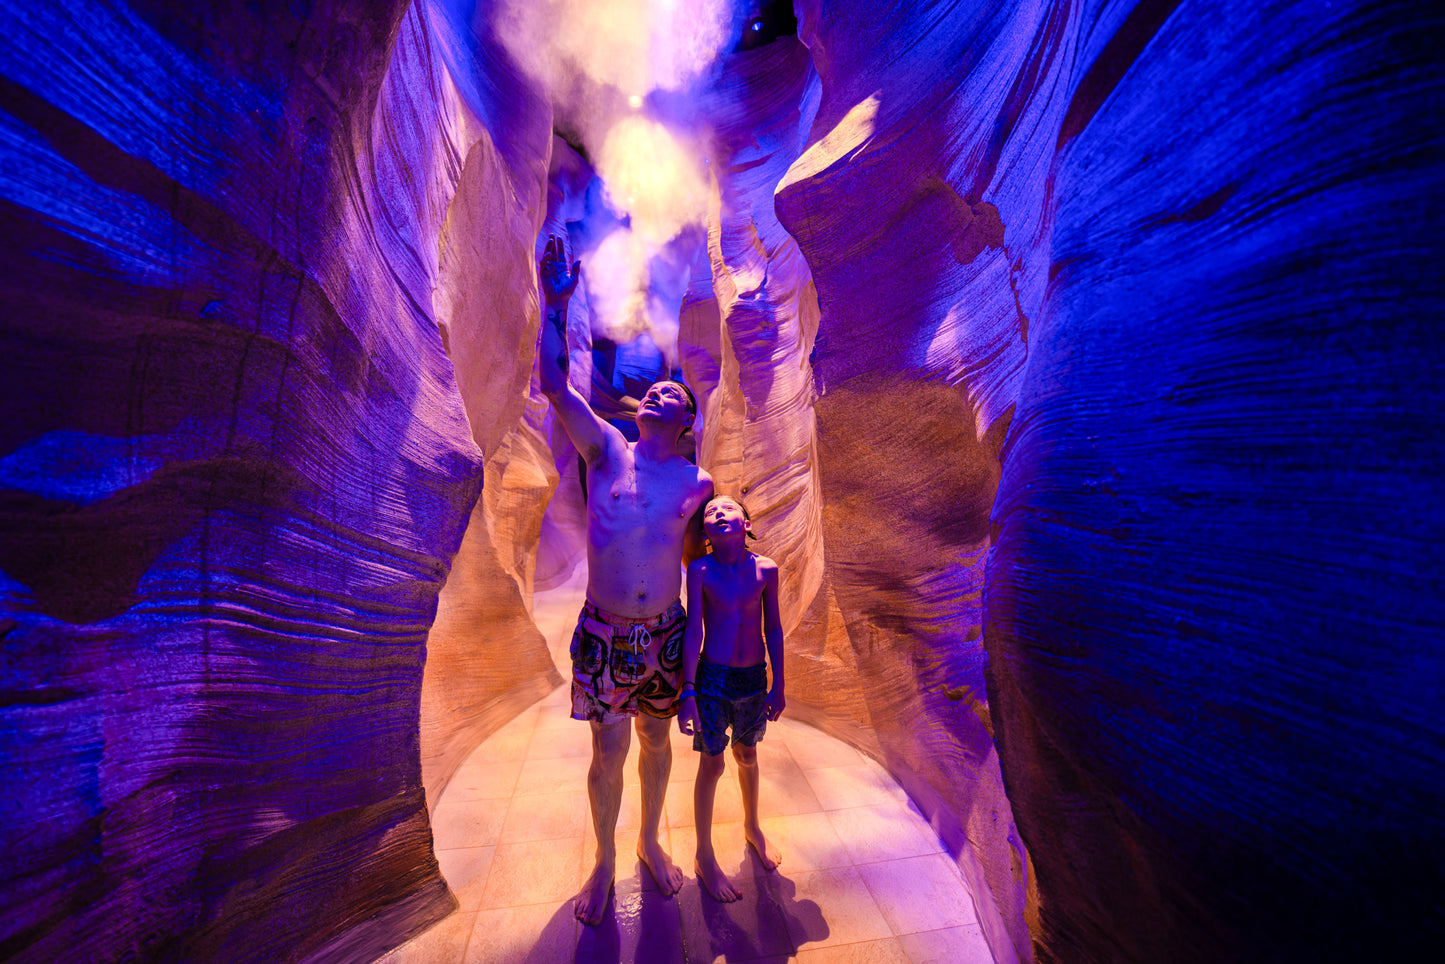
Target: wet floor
(863,877)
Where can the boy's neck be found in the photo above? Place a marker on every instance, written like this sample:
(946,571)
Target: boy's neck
(731,553)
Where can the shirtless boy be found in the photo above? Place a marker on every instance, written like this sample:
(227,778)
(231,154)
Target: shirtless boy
(732,607)
(642,503)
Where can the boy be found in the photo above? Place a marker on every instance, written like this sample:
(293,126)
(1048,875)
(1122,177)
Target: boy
(732,607)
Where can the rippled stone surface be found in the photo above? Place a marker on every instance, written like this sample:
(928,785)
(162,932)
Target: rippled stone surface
(1076,360)
(236,466)
(1131,264)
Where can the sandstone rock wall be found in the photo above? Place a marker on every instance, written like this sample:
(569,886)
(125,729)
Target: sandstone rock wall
(1120,321)
(236,466)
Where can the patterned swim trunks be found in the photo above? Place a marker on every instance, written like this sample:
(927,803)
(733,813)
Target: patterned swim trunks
(623,666)
(733,696)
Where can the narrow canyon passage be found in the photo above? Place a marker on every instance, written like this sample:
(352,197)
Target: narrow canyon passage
(1079,362)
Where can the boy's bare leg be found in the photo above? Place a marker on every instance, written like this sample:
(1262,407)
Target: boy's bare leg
(604,793)
(747,760)
(654,764)
(704,791)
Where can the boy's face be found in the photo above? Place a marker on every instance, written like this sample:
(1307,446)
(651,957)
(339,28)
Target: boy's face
(723,518)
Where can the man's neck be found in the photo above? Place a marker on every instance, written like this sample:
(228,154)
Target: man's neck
(656,447)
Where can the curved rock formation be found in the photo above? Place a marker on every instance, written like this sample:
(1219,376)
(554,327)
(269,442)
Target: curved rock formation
(1075,358)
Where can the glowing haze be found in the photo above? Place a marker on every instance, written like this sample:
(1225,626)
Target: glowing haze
(599,60)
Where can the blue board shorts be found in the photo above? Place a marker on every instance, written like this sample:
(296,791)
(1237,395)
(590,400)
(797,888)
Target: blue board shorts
(735,696)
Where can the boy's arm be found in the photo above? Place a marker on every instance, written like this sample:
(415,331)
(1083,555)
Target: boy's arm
(589,433)
(773,635)
(692,633)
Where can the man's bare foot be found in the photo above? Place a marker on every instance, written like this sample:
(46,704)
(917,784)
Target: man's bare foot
(759,843)
(660,865)
(591,901)
(714,881)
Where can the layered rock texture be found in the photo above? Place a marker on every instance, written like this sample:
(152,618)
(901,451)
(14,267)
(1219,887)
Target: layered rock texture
(1076,361)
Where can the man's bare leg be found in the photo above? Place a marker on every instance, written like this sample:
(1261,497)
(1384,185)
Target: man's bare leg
(747,760)
(704,792)
(654,764)
(604,794)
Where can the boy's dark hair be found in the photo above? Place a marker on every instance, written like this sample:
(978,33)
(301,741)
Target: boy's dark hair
(732,498)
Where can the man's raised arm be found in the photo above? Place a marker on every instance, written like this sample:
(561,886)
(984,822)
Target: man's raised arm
(557,282)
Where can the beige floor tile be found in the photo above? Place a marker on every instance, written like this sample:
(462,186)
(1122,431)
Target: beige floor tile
(887,951)
(883,832)
(727,804)
(465,870)
(559,699)
(954,945)
(551,776)
(854,786)
(571,739)
(815,750)
(775,754)
(442,943)
(744,930)
(533,873)
(684,765)
(468,824)
(502,747)
(785,790)
(845,911)
(534,934)
(546,816)
(920,894)
(483,781)
(806,841)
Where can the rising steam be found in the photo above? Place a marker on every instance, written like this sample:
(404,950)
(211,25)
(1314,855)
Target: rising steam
(598,61)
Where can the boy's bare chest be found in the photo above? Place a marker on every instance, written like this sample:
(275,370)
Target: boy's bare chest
(728,589)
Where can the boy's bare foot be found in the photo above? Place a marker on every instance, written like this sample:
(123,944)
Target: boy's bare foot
(714,881)
(759,843)
(591,901)
(660,865)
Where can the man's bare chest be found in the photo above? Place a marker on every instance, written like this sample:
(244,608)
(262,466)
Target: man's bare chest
(653,492)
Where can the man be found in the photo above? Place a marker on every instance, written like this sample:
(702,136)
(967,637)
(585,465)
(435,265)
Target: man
(643,500)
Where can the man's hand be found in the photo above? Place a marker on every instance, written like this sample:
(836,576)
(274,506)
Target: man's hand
(776,704)
(687,718)
(558,282)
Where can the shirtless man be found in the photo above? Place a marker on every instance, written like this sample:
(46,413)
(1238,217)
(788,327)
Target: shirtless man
(643,502)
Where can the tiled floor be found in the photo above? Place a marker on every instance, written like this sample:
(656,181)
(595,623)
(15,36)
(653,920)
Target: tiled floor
(863,877)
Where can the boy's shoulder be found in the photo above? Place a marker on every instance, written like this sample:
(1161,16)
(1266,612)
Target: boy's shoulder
(764,563)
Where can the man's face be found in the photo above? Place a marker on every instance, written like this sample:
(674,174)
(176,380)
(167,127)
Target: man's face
(723,517)
(666,401)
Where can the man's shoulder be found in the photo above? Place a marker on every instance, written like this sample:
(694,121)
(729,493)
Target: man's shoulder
(697,483)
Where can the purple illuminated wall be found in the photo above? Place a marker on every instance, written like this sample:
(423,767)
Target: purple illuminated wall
(1078,360)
